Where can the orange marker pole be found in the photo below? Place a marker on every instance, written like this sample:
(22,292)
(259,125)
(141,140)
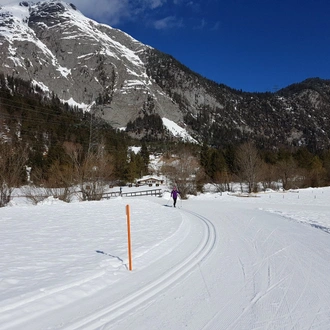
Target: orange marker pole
(128,214)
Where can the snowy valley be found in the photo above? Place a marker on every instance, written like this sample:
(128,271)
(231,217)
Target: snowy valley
(218,261)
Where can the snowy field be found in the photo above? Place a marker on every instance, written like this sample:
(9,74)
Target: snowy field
(214,262)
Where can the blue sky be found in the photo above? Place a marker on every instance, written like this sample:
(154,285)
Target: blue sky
(252,45)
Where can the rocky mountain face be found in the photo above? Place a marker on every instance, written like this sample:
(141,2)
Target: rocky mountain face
(106,71)
(83,62)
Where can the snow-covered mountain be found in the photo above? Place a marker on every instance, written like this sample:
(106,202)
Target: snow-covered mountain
(102,69)
(83,62)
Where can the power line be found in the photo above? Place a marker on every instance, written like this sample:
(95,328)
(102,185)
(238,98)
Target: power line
(32,108)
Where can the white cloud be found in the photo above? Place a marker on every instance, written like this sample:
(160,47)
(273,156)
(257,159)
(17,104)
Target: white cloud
(154,3)
(114,12)
(110,12)
(167,22)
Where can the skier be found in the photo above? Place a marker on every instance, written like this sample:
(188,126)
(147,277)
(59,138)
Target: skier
(174,195)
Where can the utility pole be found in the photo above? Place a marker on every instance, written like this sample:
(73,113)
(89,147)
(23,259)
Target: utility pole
(94,132)
(93,128)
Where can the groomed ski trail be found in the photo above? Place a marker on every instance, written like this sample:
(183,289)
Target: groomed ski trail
(106,318)
(107,307)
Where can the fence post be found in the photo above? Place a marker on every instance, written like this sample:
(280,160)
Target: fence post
(128,214)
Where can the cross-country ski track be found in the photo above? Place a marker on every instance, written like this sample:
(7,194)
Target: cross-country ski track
(182,265)
(228,263)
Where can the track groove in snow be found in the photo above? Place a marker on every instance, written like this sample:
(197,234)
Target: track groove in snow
(111,313)
(48,292)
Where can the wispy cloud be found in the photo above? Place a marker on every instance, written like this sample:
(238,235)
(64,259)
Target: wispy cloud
(202,24)
(153,3)
(115,12)
(216,26)
(111,12)
(194,6)
(158,14)
(167,22)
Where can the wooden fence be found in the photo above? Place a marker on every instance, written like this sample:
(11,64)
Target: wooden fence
(151,192)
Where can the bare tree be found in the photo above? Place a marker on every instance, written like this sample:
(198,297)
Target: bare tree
(222,181)
(268,175)
(184,171)
(12,162)
(61,181)
(317,173)
(248,162)
(91,171)
(287,171)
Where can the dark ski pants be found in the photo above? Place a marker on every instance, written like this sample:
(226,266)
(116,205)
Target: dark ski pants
(174,202)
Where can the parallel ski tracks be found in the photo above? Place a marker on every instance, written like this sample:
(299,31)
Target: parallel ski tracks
(108,316)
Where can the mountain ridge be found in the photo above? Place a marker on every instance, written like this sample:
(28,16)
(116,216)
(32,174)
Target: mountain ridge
(108,72)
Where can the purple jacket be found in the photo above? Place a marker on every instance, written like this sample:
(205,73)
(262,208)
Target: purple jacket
(175,193)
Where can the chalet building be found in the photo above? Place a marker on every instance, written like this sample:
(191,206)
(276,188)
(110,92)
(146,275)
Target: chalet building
(150,180)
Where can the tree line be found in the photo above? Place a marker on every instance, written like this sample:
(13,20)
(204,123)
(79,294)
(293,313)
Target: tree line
(266,169)
(50,144)
(45,143)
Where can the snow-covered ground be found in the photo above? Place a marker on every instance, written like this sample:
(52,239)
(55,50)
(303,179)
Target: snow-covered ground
(177,131)
(214,262)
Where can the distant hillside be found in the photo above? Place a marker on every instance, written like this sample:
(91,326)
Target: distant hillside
(50,129)
(128,84)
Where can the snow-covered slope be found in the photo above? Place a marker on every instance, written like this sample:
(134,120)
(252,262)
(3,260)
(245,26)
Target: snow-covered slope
(178,131)
(215,262)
